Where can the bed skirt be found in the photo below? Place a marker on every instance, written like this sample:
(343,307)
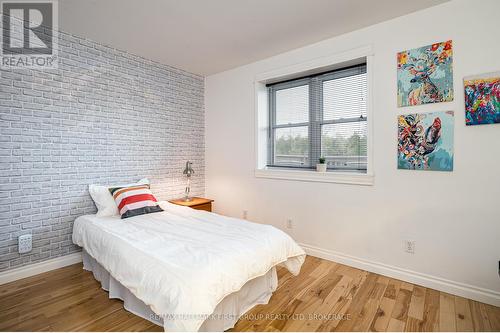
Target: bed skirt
(226,314)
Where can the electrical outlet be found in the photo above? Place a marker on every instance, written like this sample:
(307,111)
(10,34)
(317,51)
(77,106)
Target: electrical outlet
(289,223)
(244,214)
(25,243)
(409,246)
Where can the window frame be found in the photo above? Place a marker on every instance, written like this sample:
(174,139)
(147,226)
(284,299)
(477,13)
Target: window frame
(316,115)
(272,119)
(290,68)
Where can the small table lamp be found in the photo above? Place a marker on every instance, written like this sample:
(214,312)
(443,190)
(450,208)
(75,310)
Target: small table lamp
(188,171)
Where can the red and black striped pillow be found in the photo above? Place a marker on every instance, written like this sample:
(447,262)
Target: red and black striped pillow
(135,200)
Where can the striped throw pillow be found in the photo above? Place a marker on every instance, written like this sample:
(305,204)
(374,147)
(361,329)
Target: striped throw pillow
(135,200)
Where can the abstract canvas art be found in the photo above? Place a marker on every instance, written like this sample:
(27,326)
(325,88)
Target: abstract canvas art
(482,99)
(425,141)
(425,75)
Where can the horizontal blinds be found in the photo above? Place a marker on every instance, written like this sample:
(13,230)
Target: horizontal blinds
(324,115)
(292,105)
(344,145)
(345,97)
(343,139)
(291,141)
(292,146)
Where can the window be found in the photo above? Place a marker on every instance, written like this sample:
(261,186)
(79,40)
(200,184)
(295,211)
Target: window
(324,115)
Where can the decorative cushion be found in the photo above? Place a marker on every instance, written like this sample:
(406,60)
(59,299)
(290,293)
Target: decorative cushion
(135,200)
(103,200)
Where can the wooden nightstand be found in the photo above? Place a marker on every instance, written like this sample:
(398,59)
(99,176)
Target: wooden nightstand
(195,203)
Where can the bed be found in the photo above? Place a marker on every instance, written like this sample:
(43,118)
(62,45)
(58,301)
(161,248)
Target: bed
(185,269)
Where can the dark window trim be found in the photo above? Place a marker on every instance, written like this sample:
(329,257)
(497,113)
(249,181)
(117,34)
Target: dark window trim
(315,83)
(337,72)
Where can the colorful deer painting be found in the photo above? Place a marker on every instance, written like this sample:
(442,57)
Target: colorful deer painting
(425,75)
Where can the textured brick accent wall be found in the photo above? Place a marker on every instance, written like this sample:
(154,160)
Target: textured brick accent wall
(104,116)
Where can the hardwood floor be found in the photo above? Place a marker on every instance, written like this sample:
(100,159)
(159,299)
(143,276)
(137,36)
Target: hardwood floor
(325,297)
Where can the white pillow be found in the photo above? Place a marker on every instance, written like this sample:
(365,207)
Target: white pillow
(103,199)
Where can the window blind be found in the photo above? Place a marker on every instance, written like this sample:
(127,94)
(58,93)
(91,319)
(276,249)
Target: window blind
(324,115)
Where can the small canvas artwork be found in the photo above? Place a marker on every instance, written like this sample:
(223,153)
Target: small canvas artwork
(482,99)
(425,141)
(425,75)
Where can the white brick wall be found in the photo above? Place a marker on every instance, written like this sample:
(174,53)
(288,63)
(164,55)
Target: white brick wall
(104,116)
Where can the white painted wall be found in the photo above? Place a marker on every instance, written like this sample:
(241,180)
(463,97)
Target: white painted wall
(453,217)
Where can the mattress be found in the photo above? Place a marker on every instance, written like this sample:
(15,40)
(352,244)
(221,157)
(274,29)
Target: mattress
(225,315)
(182,263)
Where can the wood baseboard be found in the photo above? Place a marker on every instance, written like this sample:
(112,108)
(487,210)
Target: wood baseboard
(41,267)
(456,288)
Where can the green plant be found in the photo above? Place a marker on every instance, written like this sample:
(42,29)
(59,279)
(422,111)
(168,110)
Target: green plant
(322,160)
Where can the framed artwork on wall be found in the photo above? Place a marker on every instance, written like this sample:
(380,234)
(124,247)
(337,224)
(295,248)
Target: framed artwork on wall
(425,141)
(425,74)
(482,99)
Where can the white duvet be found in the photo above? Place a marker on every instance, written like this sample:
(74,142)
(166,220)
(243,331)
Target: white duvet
(182,262)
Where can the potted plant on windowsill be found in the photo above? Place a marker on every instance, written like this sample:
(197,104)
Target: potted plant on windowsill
(321,166)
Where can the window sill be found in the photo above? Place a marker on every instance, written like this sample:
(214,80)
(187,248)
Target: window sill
(314,176)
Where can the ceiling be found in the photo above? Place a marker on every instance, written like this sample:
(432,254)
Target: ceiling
(210,36)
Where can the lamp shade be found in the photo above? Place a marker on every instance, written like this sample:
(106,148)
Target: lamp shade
(188,171)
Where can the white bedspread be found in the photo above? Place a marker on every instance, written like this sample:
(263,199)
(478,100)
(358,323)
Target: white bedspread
(182,262)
